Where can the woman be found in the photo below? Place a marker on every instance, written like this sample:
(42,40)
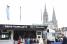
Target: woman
(19,40)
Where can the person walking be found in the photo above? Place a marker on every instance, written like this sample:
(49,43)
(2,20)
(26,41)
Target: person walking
(64,40)
(19,40)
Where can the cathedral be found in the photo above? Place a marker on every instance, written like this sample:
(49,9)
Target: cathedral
(51,24)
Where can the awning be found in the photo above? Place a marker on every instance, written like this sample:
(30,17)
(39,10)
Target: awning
(22,27)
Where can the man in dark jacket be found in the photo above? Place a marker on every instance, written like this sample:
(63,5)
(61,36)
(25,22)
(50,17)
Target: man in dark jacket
(64,40)
(48,42)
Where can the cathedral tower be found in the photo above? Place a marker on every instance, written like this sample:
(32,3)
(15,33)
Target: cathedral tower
(54,20)
(45,17)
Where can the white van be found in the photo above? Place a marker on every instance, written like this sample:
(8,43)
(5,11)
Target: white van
(51,36)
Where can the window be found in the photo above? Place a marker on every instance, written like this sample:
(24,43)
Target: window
(38,36)
(53,34)
(5,35)
(38,33)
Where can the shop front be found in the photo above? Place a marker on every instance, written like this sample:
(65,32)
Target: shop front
(24,34)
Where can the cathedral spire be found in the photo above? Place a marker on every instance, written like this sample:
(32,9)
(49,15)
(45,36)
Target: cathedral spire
(53,17)
(45,16)
(54,20)
(45,8)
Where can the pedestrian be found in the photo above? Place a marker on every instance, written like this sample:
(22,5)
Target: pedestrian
(48,42)
(64,40)
(19,40)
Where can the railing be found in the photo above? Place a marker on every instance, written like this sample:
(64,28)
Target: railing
(34,43)
(24,43)
(30,43)
(57,43)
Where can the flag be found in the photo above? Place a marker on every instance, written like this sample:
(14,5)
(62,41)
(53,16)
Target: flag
(7,11)
(20,13)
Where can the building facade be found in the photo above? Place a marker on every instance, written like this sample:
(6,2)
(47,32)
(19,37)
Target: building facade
(11,34)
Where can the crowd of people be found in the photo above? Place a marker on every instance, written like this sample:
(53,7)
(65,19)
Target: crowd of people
(27,41)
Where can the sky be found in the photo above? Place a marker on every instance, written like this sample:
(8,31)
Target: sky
(31,11)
